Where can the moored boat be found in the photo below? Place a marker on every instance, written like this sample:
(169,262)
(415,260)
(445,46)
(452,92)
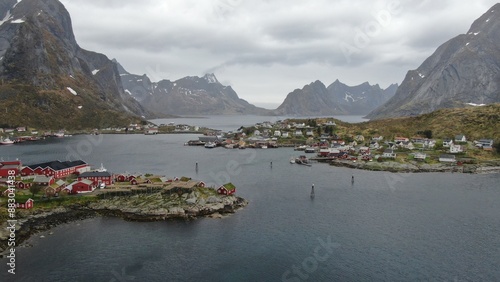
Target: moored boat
(302,160)
(6,141)
(210,145)
(310,150)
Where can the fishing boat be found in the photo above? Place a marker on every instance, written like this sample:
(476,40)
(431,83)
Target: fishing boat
(210,145)
(302,160)
(6,141)
(300,148)
(310,150)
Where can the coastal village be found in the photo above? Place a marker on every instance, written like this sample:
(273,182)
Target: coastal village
(41,182)
(326,141)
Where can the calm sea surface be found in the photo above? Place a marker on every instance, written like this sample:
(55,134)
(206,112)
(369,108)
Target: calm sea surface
(383,227)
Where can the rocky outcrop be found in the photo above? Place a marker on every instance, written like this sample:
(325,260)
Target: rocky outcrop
(179,204)
(416,167)
(463,71)
(31,223)
(161,206)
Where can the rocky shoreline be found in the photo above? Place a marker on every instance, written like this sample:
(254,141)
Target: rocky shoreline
(416,167)
(142,207)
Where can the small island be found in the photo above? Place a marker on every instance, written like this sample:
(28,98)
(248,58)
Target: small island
(44,201)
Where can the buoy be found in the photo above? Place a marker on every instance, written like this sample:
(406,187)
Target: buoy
(312,192)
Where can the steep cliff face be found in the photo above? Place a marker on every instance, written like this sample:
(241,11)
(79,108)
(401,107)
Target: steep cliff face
(38,49)
(190,95)
(463,71)
(336,99)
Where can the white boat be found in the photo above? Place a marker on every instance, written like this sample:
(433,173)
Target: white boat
(6,141)
(263,147)
(101,169)
(310,150)
(302,160)
(210,145)
(292,160)
(300,148)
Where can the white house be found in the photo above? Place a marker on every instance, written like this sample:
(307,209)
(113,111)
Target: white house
(447,142)
(429,143)
(310,132)
(377,138)
(364,150)
(401,139)
(406,145)
(285,135)
(460,138)
(420,156)
(418,140)
(456,149)
(484,142)
(277,133)
(447,158)
(298,132)
(389,153)
(374,145)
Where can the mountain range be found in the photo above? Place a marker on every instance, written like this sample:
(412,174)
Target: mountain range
(47,80)
(336,99)
(190,95)
(463,71)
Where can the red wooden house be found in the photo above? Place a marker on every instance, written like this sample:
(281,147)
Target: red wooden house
(56,169)
(27,205)
(226,189)
(97,177)
(121,177)
(81,186)
(5,167)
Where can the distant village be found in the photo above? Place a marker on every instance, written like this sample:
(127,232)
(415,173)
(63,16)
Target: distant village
(323,140)
(9,136)
(73,178)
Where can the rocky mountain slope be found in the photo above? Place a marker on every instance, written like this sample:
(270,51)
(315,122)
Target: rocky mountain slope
(464,70)
(336,99)
(48,81)
(190,95)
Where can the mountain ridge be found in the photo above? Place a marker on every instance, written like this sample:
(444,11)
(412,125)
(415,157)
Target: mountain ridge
(190,95)
(464,69)
(69,86)
(336,99)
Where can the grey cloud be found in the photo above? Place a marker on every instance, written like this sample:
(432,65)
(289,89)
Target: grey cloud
(292,36)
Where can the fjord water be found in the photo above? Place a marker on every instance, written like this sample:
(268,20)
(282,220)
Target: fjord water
(382,227)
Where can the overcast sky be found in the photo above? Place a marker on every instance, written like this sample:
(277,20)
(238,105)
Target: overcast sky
(265,49)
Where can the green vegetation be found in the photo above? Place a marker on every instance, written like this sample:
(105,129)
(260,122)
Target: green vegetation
(229,186)
(475,122)
(22,105)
